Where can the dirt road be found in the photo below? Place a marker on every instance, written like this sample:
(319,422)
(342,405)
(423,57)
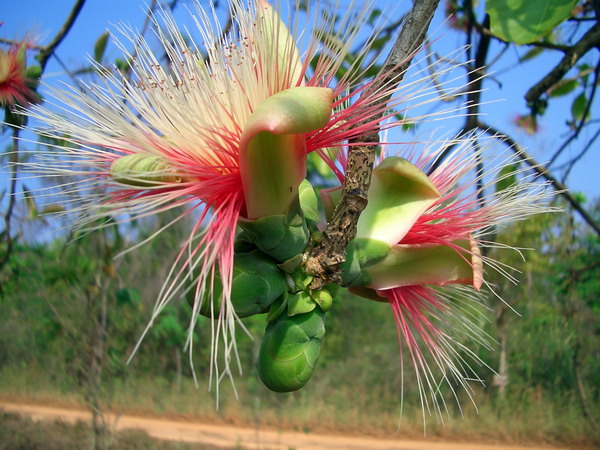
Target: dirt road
(247,438)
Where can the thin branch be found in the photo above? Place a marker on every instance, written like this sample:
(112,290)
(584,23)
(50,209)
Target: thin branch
(581,154)
(475,82)
(522,154)
(14,158)
(550,46)
(582,121)
(49,49)
(13,42)
(588,41)
(325,258)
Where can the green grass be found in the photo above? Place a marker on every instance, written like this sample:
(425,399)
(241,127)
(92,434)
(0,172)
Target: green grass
(18,432)
(529,416)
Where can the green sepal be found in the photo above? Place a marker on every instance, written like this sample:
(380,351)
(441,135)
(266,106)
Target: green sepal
(300,303)
(243,243)
(309,204)
(282,237)
(323,298)
(290,350)
(301,280)
(278,307)
(256,283)
(291,264)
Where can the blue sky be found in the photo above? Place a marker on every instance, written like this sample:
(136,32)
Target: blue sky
(43,18)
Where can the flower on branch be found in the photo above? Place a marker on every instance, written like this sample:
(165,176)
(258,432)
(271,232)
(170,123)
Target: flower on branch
(224,131)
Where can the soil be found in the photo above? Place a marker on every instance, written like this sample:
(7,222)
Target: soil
(247,438)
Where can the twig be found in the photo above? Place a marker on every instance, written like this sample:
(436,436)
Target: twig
(587,147)
(583,118)
(14,158)
(550,46)
(49,49)
(588,41)
(522,154)
(13,42)
(325,258)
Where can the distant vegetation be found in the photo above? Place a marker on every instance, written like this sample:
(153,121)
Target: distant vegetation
(71,315)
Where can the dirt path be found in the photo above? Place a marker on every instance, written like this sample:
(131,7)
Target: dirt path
(247,438)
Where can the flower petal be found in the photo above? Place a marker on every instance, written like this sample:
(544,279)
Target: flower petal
(399,194)
(283,44)
(409,265)
(273,147)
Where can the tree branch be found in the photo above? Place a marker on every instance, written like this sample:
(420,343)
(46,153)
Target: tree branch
(583,120)
(12,194)
(561,188)
(588,41)
(49,49)
(325,258)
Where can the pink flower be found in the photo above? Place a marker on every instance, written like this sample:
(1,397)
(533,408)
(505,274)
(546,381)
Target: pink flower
(223,132)
(419,239)
(16,87)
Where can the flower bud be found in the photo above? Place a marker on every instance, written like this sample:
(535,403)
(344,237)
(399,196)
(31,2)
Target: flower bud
(144,170)
(256,283)
(290,350)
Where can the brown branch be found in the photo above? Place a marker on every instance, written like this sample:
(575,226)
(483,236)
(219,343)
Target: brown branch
(325,258)
(561,188)
(12,194)
(17,43)
(582,121)
(589,40)
(49,49)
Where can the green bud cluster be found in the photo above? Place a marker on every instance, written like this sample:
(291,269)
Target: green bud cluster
(269,278)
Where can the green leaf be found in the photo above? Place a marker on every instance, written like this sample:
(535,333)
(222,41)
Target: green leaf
(563,87)
(578,108)
(100,46)
(128,296)
(507,177)
(524,21)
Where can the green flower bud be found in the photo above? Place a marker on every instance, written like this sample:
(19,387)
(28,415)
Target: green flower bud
(144,170)
(290,350)
(256,283)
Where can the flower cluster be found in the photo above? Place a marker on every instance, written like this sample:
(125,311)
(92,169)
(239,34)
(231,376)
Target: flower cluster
(17,82)
(225,131)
